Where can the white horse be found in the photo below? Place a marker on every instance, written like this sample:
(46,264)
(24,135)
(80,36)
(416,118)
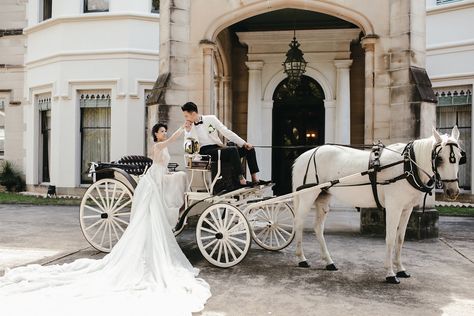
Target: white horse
(398,198)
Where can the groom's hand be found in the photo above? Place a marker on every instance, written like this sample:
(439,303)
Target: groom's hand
(187,125)
(248,146)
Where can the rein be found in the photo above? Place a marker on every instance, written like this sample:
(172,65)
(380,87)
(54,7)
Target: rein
(411,169)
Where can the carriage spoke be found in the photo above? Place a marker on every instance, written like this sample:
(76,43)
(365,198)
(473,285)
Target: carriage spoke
(232,253)
(219,253)
(91,216)
(112,223)
(208,230)
(119,199)
(98,230)
(230,222)
(276,238)
(226,217)
(96,223)
(122,214)
(240,232)
(237,239)
(120,227)
(286,225)
(93,209)
(211,243)
(207,237)
(101,197)
(219,217)
(107,195)
(112,198)
(261,232)
(283,231)
(226,254)
(235,246)
(122,206)
(97,203)
(212,226)
(121,220)
(110,236)
(280,235)
(103,233)
(215,220)
(215,247)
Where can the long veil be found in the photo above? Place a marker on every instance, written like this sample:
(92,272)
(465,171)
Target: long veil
(145,272)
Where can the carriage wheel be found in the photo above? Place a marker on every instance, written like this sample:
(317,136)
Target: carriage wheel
(223,235)
(105,213)
(272,225)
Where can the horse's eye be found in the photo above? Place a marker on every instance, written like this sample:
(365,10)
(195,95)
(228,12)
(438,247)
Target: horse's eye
(439,160)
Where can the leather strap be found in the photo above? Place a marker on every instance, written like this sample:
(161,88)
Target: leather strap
(374,167)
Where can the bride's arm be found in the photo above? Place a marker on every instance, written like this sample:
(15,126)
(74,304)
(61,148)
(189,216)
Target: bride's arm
(171,139)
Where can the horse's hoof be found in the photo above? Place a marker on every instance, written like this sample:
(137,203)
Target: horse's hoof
(392,280)
(303,264)
(403,274)
(331,267)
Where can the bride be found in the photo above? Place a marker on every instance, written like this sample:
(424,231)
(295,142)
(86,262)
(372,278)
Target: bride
(146,273)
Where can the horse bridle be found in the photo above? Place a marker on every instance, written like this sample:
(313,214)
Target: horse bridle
(436,160)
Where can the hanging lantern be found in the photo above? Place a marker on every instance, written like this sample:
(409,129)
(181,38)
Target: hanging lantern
(295,65)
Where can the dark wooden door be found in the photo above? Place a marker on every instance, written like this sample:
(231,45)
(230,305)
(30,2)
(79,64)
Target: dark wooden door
(298,120)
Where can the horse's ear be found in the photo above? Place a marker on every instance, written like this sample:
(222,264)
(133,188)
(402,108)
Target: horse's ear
(436,135)
(455,133)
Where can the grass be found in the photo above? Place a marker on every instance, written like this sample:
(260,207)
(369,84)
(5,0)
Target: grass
(455,211)
(16,198)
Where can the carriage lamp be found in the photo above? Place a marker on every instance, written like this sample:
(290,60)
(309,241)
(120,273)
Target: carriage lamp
(294,65)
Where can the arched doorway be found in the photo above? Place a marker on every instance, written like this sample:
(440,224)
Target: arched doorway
(298,120)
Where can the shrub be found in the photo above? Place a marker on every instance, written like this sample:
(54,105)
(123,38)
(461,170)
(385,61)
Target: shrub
(11,178)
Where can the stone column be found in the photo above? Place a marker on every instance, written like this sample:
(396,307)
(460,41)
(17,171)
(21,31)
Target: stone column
(254,131)
(368,44)
(208,77)
(227,99)
(343,98)
(330,121)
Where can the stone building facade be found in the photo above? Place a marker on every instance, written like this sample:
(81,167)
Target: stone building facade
(364,60)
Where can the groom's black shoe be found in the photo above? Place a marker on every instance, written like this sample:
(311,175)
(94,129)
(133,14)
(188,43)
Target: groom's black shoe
(261,182)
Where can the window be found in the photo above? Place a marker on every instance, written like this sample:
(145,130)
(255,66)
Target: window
(95,129)
(46,9)
(96,6)
(44,107)
(454,108)
(155,6)
(440,2)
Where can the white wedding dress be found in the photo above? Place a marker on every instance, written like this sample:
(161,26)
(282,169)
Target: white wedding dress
(146,273)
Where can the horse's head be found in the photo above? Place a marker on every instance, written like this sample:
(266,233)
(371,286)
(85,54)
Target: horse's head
(446,157)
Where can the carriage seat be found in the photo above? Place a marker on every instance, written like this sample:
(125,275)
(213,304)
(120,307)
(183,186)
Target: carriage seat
(133,164)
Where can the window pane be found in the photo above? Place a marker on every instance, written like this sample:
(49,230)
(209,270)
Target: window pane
(47,9)
(95,123)
(155,6)
(96,5)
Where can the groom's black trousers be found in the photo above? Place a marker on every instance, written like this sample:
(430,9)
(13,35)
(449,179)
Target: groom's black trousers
(232,155)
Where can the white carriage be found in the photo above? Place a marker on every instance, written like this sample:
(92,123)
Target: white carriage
(227,220)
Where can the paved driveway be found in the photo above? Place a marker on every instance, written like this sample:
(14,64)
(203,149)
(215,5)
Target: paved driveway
(269,283)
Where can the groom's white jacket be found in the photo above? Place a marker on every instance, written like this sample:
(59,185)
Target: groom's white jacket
(206,133)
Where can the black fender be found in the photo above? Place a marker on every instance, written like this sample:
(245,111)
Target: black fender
(116,173)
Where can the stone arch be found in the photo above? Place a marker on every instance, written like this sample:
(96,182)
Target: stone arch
(310,72)
(263,6)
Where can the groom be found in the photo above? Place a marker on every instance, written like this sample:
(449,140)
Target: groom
(204,128)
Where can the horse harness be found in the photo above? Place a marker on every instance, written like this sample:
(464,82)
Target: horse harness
(410,169)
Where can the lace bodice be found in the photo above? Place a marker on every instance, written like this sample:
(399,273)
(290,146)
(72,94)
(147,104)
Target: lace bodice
(161,157)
